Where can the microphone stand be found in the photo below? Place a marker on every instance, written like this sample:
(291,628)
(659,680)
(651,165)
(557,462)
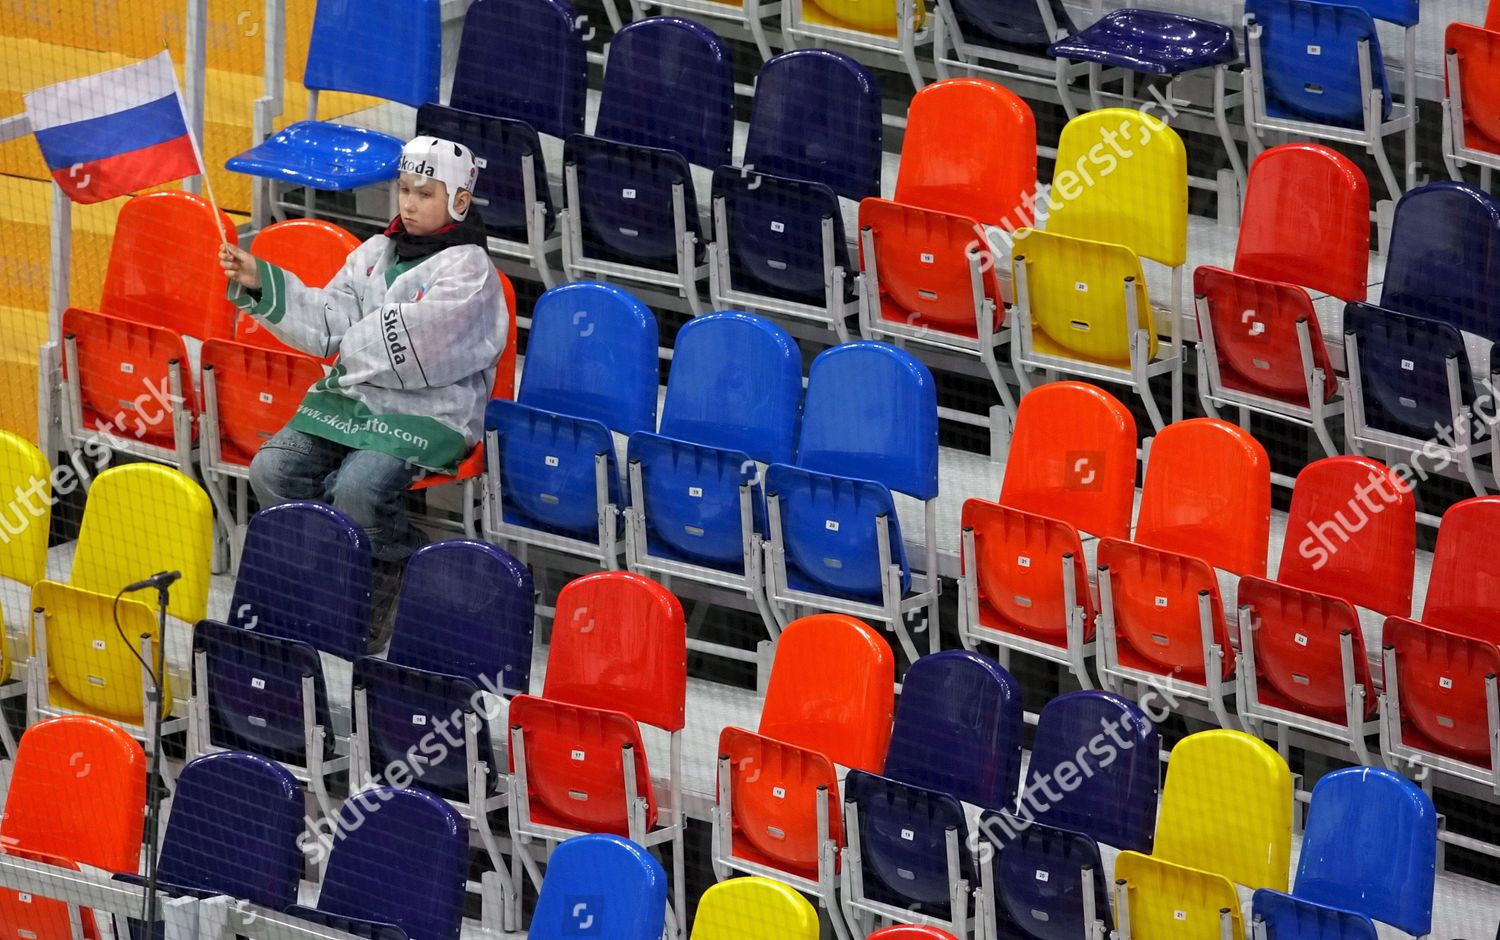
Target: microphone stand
(163,584)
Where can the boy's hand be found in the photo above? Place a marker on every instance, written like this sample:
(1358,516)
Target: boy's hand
(239,266)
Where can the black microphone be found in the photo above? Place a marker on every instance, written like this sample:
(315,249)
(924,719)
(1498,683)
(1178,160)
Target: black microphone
(161,579)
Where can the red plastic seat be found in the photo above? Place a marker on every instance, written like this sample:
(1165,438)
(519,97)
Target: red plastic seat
(1207,495)
(181,289)
(1072,458)
(1359,548)
(1463,589)
(1298,660)
(911,932)
(257,390)
(1018,572)
(1441,678)
(1479,74)
(312,249)
(124,368)
(618,660)
(923,260)
(1254,324)
(1155,594)
(77,795)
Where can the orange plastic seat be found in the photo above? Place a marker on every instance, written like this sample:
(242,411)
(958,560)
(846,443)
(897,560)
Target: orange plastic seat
(1478,57)
(1492,16)
(1155,596)
(1018,573)
(125,376)
(911,932)
(256,392)
(312,249)
(1072,458)
(182,289)
(1439,677)
(77,795)
(1361,549)
(1255,335)
(923,259)
(1298,658)
(1463,589)
(1207,494)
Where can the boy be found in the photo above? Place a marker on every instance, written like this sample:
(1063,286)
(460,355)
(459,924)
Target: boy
(416,317)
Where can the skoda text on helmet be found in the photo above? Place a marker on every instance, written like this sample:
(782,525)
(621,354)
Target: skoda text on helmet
(449,163)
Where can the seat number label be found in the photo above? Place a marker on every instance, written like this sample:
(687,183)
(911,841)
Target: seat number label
(779,792)
(1408,365)
(127,367)
(628,193)
(908,835)
(927,257)
(1314,50)
(257,683)
(1023,561)
(99,645)
(1081,287)
(832,525)
(1444,682)
(578,755)
(1300,638)
(1161,600)
(778,227)
(1041,875)
(1179,915)
(25,899)
(419,720)
(696,492)
(550,460)
(266,398)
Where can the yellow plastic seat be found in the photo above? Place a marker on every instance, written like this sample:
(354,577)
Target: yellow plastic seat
(872,16)
(1076,289)
(754,908)
(144,518)
(1175,902)
(90,668)
(1226,808)
(25,520)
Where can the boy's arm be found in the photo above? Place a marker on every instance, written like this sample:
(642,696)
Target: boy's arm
(311,319)
(456,329)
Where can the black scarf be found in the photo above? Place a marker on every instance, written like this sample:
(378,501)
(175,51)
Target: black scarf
(470,231)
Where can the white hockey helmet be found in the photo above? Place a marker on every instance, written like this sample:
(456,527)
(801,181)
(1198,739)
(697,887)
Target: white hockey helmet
(450,163)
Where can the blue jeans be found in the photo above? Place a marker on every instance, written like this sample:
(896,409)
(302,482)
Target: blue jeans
(368,486)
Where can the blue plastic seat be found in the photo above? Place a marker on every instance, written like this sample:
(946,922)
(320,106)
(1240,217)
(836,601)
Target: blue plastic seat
(1402,369)
(388,49)
(254,694)
(903,843)
(1010,25)
(1115,802)
(406,706)
(958,729)
(601,886)
(274,594)
(1290,918)
(499,191)
(732,400)
(403,864)
(523,60)
(1150,41)
(1370,847)
(772,231)
(1037,877)
(1444,258)
(625,207)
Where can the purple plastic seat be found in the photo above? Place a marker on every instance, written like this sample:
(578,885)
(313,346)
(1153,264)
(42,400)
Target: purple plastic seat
(1150,41)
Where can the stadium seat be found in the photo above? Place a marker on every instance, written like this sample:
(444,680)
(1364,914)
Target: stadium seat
(1081,301)
(410,831)
(1444,251)
(1159,898)
(910,932)
(893,27)
(312,249)
(618,660)
(604,886)
(521,71)
(352,49)
(697,511)
(779,238)
(26,526)
(751,908)
(1463,594)
(1040,882)
(1055,485)
(869,429)
(667,103)
(1440,708)
(1316,69)
(1408,375)
(551,472)
(1290,918)
(828,701)
(55,814)
(1471,109)
(929,256)
(1007,39)
(1261,347)
(462,637)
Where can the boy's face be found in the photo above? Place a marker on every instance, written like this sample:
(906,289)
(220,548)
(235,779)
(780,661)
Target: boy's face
(424,204)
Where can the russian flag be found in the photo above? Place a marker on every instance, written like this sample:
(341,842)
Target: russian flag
(115,132)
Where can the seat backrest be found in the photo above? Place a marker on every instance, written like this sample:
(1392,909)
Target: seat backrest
(1325,246)
(312,249)
(88,660)
(390,49)
(233,829)
(903,841)
(273,593)
(1442,683)
(409,831)
(466,609)
(1254,324)
(254,691)
(1016,560)
(746,908)
(1207,494)
(1011,24)
(1083,436)
(958,729)
(526,61)
(501,144)
(831,690)
(591,353)
(911,932)
(406,707)
(773,234)
(1298,648)
(925,263)
(1291,918)
(669,84)
(871,413)
(1076,295)
(1358,504)
(1310,58)
(1403,369)
(1115,802)
(1463,587)
(619,642)
(775,788)
(735,384)
(604,885)
(1164,894)
(125,377)
(970,150)
(831,528)
(1142,202)
(143,518)
(25,524)
(78,791)
(1038,876)
(1370,846)
(1444,258)
(181,290)
(1478,59)
(816,117)
(1226,808)
(257,391)
(1155,597)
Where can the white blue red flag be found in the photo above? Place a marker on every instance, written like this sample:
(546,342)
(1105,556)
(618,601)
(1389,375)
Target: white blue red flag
(114,133)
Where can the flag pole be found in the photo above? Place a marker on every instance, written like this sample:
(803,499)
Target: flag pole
(208,186)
